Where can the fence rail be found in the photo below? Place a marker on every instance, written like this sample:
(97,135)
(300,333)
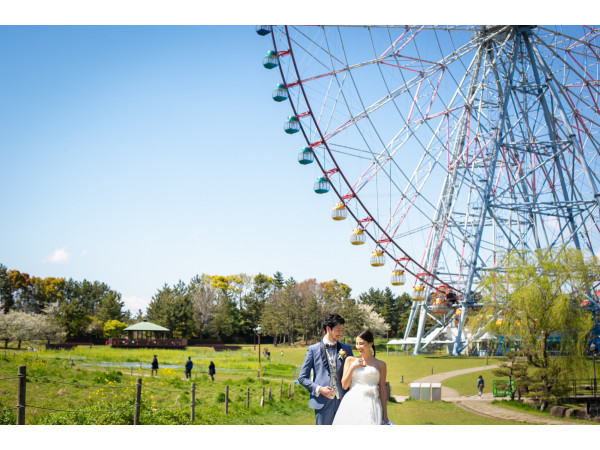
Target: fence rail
(585,387)
(259,395)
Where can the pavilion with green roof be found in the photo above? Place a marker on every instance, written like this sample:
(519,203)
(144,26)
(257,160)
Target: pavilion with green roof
(147,334)
(146,331)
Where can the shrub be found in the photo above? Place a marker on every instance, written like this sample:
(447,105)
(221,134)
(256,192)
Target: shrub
(114,376)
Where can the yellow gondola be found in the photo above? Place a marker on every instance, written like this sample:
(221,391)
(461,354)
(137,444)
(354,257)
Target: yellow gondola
(398,278)
(357,237)
(377,259)
(339,212)
(418,294)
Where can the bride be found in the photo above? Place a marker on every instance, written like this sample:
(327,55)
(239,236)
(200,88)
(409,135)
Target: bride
(366,401)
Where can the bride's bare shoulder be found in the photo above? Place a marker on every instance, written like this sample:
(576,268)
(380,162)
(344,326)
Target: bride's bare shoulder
(380,364)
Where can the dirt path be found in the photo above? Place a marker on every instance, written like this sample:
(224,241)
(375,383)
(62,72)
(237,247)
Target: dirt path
(483,406)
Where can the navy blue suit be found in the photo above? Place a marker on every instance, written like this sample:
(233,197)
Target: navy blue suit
(316,360)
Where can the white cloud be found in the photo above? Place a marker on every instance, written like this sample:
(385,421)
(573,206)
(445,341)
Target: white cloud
(59,256)
(133,303)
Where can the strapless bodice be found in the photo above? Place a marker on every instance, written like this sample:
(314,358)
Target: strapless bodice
(366,379)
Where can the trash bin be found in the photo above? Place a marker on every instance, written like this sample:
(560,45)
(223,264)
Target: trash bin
(415,389)
(436,392)
(425,393)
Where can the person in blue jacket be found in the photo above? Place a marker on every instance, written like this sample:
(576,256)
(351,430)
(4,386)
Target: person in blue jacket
(188,367)
(480,386)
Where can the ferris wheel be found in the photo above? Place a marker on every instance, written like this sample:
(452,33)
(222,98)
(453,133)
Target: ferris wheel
(447,146)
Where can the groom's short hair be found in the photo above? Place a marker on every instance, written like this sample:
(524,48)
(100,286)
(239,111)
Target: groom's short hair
(332,320)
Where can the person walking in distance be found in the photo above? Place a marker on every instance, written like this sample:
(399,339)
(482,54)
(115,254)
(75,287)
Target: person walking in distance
(188,367)
(480,386)
(211,370)
(154,366)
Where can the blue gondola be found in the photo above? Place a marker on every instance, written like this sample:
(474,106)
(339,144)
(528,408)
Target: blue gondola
(280,93)
(306,156)
(271,60)
(292,125)
(322,185)
(263,30)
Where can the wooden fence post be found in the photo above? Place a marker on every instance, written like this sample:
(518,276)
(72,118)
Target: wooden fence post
(138,401)
(21,394)
(281,390)
(193,403)
(226,399)
(269,397)
(247,398)
(262,398)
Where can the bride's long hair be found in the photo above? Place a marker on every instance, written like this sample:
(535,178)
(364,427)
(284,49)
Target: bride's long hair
(367,336)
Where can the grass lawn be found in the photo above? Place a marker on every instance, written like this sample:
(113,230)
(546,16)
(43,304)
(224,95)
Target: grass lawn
(467,384)
(415,412)
(103,381)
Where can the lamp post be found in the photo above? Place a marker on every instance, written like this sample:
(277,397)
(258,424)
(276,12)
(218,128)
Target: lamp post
(257,331)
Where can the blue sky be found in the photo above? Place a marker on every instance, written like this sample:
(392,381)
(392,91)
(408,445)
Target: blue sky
(142,155)
(139,156)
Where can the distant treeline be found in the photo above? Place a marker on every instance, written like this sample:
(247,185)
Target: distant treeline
(208,307)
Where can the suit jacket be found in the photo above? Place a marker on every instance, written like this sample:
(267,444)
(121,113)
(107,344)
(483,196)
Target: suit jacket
(316,360)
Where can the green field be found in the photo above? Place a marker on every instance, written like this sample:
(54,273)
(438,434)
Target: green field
(467,384)
(100,387)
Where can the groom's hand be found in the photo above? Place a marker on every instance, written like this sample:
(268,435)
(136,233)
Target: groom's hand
(326,391)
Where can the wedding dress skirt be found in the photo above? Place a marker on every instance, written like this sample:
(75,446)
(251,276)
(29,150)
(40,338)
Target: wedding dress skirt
(361,405)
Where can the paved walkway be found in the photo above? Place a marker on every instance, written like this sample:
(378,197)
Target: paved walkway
(482,406)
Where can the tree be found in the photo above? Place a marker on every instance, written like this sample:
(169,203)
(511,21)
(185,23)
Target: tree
(20,284)
(273,315)
(515,369)
(254,301)
(50,331)
(309,314)
(90,294)
(372,321)
(390,307)
(20,326)
(113,328)
(45,292)
(537,297)
(204,303)
(110,307)
(231,292)
(278,280)
(405,304)
(71,315)
(4,328)
(6,297)
(172,308)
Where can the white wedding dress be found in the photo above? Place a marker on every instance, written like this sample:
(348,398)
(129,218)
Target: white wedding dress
(361,405)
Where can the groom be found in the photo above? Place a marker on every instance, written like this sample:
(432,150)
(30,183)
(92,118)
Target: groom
(326,359)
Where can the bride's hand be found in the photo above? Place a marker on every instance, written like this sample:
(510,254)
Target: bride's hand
(358,362)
